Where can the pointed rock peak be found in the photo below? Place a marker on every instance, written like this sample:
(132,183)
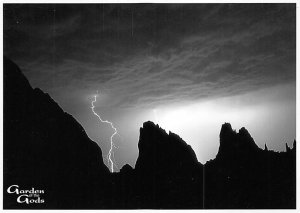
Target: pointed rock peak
(226,131)
(245,136)
(175,136)
(226,127)
(148,124)
(294,145)
(244,131)
(266,148)
(233,143)
(287,148)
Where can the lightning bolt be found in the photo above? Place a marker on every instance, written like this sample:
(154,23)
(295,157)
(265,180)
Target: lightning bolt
(112,145)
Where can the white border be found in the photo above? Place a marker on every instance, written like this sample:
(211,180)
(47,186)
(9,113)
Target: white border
(147,1)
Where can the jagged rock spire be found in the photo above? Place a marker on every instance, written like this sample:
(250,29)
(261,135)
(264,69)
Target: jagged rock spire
(266,148)
(287,148)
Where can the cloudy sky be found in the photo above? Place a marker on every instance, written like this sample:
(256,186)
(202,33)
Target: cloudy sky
(187,67)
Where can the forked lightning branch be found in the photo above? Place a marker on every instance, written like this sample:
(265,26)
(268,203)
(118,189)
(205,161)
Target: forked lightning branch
(112,145)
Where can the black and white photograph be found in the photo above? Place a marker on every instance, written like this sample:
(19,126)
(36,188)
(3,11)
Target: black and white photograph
(148,105)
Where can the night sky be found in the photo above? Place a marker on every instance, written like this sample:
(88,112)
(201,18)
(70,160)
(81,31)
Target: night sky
(187,67)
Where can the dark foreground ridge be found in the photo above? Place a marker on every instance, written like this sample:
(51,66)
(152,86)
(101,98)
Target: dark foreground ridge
(47,149)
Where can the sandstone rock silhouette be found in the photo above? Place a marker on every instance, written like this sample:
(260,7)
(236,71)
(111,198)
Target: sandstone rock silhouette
(167,168)
(244,175)
(47,148)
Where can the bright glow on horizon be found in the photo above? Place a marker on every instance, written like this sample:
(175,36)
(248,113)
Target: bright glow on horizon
(268,115)
(199,124)
(188,121)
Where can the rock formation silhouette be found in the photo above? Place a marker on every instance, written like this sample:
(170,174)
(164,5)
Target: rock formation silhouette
(46,148)
(167,168)
(246,176)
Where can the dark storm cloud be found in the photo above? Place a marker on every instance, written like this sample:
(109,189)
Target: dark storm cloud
(144,54)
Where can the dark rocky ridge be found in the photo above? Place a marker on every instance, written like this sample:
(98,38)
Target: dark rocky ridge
(248,176)
(48,149)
